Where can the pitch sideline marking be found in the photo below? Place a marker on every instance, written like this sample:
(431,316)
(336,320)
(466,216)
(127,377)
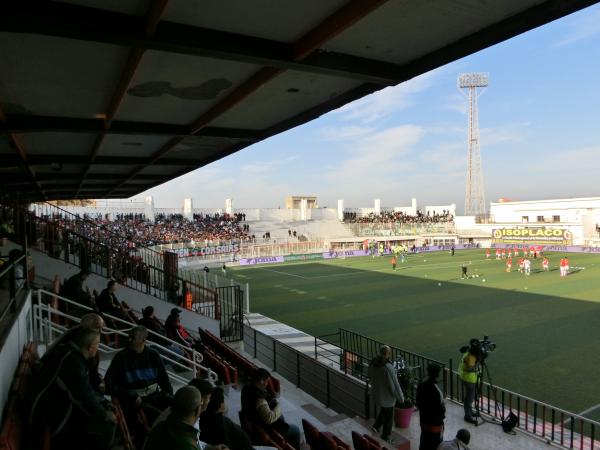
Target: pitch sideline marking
(283,273)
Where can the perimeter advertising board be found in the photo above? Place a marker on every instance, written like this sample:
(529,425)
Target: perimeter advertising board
(532,235)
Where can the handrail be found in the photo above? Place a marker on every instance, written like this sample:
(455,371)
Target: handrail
(197,357)
(12,264)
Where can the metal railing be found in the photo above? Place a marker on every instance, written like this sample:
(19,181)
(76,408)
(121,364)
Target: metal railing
(83,245)
(9,279)
(356,352)
(331,387)
(52,318)
(553,424)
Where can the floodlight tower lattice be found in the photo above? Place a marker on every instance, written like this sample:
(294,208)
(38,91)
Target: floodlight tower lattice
(473,85)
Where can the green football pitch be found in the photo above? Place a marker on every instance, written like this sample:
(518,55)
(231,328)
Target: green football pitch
(547,328)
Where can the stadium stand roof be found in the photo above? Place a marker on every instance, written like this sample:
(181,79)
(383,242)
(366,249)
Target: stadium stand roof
(107,98)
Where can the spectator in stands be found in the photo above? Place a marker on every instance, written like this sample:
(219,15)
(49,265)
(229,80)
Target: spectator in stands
(179,428)
(460,442)
(19,276)
(73,290)
(432,410)
(65,401)
(150,321)
(176,332)
(108,303)
(385,391)
(138,379)
(216,428)
(62,345)
(261,407)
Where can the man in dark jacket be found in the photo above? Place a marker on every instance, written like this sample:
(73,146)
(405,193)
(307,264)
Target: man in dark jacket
(138,378)
(177,432)
(73,290)
(217,429)
(432,410)
(385,390)
(259,406)
(65,401)
(108,303)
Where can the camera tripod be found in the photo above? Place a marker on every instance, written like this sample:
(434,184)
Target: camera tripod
(484,372)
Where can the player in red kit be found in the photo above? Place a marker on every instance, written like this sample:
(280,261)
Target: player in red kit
(509,264)
(487,254)
(545,264)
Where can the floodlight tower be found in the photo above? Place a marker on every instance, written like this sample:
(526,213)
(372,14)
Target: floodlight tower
(473,85)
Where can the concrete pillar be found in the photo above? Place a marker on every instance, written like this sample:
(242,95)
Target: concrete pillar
(229,206)
(303,208)
(340,211)
(377,206)
(149,208)
(413,205)
(188,209)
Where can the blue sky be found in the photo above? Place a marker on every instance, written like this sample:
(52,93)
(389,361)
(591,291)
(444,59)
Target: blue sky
(539,121)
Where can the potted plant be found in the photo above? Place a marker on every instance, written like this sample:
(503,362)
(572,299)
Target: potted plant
(403,411)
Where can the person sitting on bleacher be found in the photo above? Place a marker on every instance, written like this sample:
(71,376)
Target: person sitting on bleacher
(73,290)
(176,331)
(65,401)
(178,430)
(217,428)
(138,379)
(261,407)
(151,322)
(107,303)
(62,345)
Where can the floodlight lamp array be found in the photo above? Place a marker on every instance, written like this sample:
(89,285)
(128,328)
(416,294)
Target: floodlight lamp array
(473,80)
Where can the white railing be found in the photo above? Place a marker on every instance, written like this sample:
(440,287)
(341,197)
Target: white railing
(46,329)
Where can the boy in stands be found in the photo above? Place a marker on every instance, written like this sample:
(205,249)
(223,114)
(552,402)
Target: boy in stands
(487,253)
(508,264)
(527,266)
(394,261)
(545,263)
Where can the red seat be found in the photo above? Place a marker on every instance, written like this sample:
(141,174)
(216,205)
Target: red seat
(311,434)
(359,442)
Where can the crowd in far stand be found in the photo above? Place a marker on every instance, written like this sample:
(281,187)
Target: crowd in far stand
(398,216)
(172,228)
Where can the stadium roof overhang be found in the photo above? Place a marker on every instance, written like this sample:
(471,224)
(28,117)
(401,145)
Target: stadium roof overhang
(104,99)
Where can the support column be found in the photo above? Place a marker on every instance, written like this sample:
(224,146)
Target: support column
(303,208)
(149,208)
(188,209)
(377,206)
(340,210)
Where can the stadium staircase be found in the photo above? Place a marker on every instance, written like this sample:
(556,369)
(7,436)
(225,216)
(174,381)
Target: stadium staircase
(318,229)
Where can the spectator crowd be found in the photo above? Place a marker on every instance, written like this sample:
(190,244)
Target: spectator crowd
(399,217)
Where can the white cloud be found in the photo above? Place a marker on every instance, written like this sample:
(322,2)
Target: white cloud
(386,101)
(512,132)
(380,152)
(343,133)
(584,27)
(455,102)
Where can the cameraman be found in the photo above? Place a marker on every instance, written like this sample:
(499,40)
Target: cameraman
(468,370)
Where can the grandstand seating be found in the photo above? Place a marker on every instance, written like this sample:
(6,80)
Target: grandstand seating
(13,433)
(229,357)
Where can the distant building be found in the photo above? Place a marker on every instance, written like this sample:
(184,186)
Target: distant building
(293,201)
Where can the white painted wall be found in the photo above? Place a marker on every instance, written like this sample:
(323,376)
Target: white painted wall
(20,333)
(570,210)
